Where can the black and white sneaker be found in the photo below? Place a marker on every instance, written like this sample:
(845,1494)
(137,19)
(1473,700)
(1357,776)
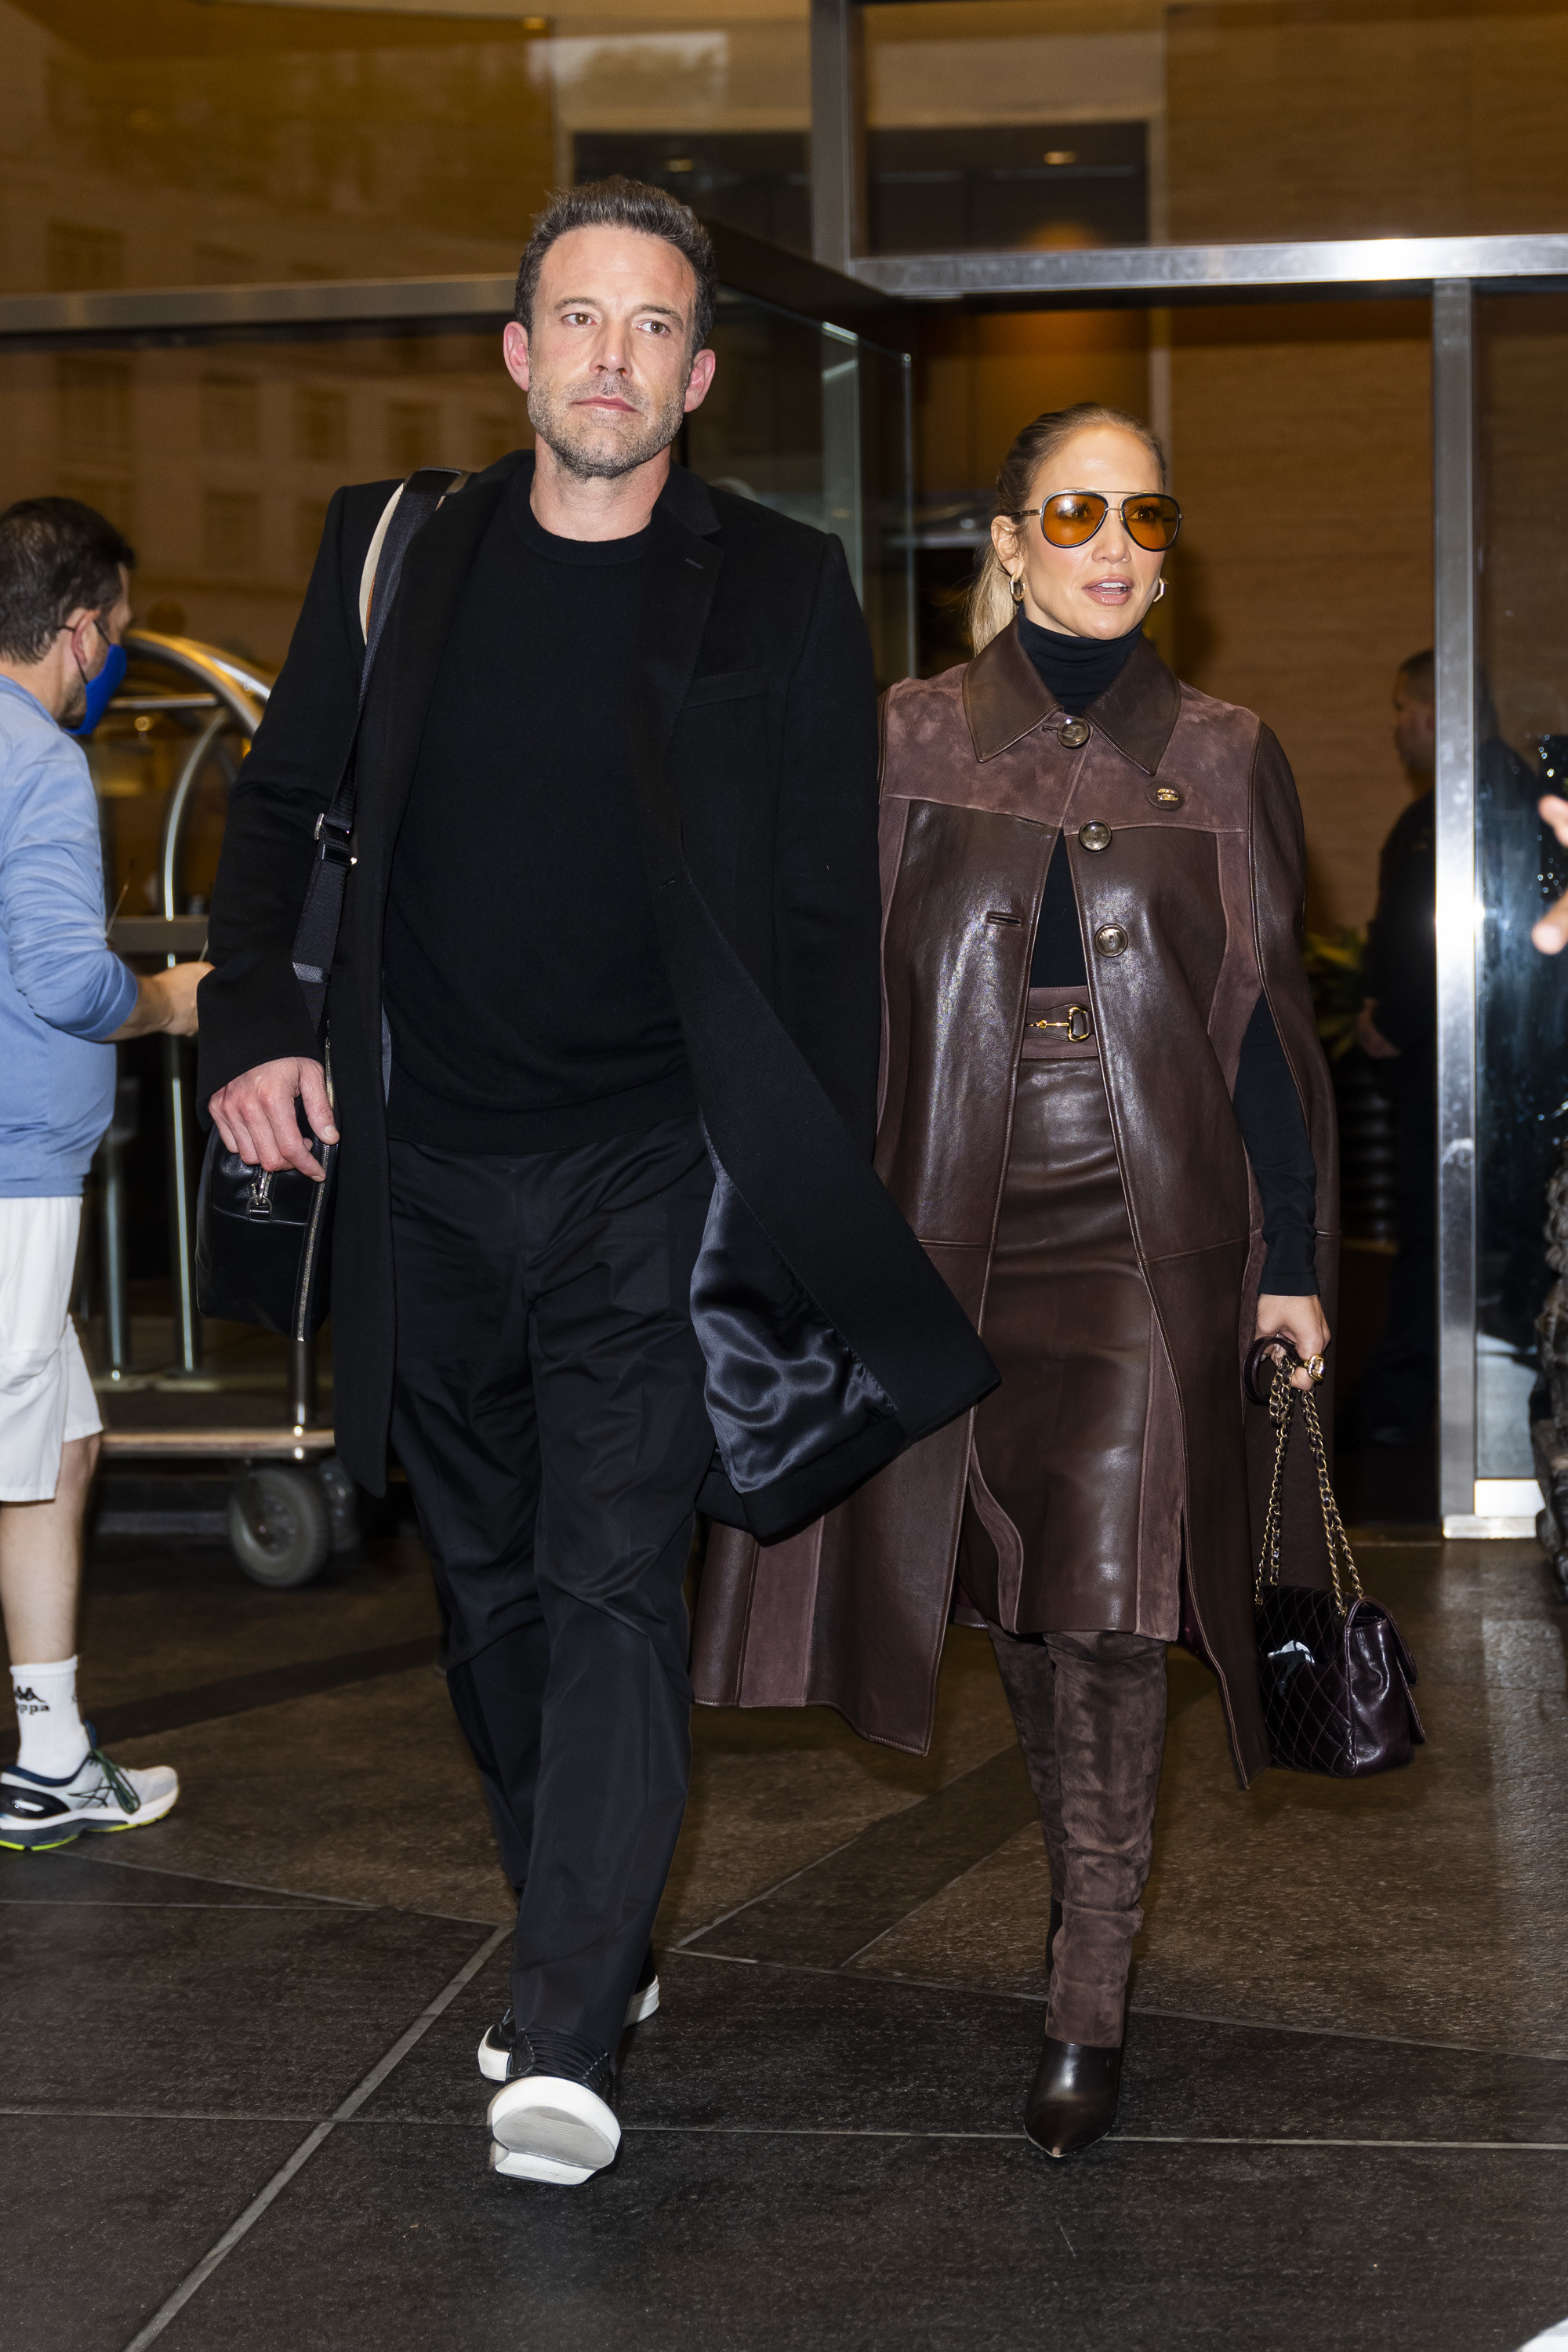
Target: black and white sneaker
(552,2118)
(496,2048)
(37,1813)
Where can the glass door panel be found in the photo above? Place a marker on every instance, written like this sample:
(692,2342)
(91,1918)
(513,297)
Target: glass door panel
(1521,749)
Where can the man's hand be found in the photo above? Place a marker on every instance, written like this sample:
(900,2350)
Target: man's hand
(1300,1320)
(1370,1038)
(256,1117)
(1551,933)
(165,1001)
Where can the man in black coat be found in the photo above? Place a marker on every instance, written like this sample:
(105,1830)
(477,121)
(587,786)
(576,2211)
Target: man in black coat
(604,1027)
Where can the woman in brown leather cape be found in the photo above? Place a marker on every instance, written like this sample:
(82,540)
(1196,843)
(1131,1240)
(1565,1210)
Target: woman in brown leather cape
(1105,1114)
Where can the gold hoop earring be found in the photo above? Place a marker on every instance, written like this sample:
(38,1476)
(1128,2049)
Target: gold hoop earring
(1158,593)
(1017,588)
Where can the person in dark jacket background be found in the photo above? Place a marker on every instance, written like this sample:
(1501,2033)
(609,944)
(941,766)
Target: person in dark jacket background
(1398,1028)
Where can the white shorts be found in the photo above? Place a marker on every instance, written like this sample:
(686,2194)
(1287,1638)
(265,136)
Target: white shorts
(45,1394)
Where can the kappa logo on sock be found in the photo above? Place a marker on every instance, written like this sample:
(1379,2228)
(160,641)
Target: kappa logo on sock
(28,1702)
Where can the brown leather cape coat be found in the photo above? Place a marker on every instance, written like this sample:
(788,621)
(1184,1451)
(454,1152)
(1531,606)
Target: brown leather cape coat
(1193,908)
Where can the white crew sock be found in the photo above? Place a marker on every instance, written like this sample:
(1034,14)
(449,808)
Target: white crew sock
(54,1737)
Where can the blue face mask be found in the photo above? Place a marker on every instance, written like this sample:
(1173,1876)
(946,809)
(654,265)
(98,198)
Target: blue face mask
(102,690)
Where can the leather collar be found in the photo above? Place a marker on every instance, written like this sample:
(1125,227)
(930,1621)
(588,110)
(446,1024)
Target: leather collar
(1006,698)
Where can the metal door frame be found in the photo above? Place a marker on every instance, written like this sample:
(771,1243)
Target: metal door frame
(871,295)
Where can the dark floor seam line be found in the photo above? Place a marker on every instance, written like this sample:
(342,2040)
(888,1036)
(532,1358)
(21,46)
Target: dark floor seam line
(817,1860)
(249,1886)
(289,1896)
(724,1916)
(1135,2009)
(149,2115)
(110,1903)
(723,2131)
(1351,2034)
(1124,2140)
(239,2228)
(967,1871)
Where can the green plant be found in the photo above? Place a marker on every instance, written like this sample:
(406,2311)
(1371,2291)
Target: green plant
(1333,974)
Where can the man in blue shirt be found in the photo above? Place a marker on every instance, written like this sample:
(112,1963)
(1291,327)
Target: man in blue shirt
(65,998)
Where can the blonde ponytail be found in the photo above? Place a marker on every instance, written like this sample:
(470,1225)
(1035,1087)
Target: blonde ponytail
(990,606)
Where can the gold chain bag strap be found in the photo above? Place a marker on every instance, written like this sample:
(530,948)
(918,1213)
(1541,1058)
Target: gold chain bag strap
(1333,1668)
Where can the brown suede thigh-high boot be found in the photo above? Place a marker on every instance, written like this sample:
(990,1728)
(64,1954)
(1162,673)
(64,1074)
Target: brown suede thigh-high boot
(1109,1735)
(1029,1678)
(1109,1729)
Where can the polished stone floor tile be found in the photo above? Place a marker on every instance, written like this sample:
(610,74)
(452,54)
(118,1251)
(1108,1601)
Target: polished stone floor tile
(839,1906)
(366,1792)
(738,2044)
(1424,1903)
(249,2011)
(775,1789)
(105,2215)
(99,1870)
(819,2154)
(987,1929)
(696,2242)
(163,1615)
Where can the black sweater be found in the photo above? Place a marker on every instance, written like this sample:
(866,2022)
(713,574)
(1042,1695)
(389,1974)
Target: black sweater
(1267,1104)
(525,991)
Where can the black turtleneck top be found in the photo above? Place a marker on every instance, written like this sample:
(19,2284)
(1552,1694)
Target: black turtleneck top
(1267,1109)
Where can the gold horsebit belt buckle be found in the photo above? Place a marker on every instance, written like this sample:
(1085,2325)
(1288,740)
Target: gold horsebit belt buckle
(1075,1021)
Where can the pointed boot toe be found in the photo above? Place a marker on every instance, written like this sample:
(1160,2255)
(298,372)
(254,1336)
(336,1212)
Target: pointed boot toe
(1073,2100)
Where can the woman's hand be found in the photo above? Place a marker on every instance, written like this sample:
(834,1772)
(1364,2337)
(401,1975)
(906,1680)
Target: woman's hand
(1300,1320)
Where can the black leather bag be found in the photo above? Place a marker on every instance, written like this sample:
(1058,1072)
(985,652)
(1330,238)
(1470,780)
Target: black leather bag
(263,1240)
(1334,1668)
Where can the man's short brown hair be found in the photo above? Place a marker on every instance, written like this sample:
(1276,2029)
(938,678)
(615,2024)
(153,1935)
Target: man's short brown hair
(56,557)
(620,203)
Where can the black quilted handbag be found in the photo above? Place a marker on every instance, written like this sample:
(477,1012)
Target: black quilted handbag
(1333,1667)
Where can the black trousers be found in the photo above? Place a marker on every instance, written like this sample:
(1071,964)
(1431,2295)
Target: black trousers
(549,1414)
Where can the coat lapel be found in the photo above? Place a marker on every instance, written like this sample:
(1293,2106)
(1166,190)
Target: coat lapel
(410,654)
(1004,698)
(683,574)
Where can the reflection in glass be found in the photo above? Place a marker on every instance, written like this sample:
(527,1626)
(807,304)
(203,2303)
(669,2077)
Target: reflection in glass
(1522,733)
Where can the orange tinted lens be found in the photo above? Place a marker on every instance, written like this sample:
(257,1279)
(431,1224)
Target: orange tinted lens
(1151,522)
(1076,516)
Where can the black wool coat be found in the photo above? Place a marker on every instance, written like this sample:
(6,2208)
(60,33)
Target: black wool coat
(754,747)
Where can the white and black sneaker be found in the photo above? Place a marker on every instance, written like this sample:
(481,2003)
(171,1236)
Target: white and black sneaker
(496,2048)
(552,2118)
(37,1813)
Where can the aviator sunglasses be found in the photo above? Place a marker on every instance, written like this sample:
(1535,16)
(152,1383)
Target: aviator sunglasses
(1151,519)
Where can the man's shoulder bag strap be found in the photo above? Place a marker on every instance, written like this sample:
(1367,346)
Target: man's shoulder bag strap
(410,505)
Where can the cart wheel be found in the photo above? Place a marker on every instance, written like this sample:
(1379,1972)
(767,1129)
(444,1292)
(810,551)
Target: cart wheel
(342,1502)
(279,1527)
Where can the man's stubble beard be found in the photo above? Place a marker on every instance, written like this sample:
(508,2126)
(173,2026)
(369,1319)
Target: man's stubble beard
(570,436)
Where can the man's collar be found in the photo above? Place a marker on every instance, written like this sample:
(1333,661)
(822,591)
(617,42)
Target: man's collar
(684,498)
(1004,698)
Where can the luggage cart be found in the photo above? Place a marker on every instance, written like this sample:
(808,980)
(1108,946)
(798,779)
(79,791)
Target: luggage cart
(292,1504)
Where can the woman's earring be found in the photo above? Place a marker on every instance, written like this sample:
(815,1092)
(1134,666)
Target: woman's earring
(1159,592)
(1017,588)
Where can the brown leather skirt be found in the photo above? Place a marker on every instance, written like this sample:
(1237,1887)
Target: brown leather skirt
(1073,1518)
